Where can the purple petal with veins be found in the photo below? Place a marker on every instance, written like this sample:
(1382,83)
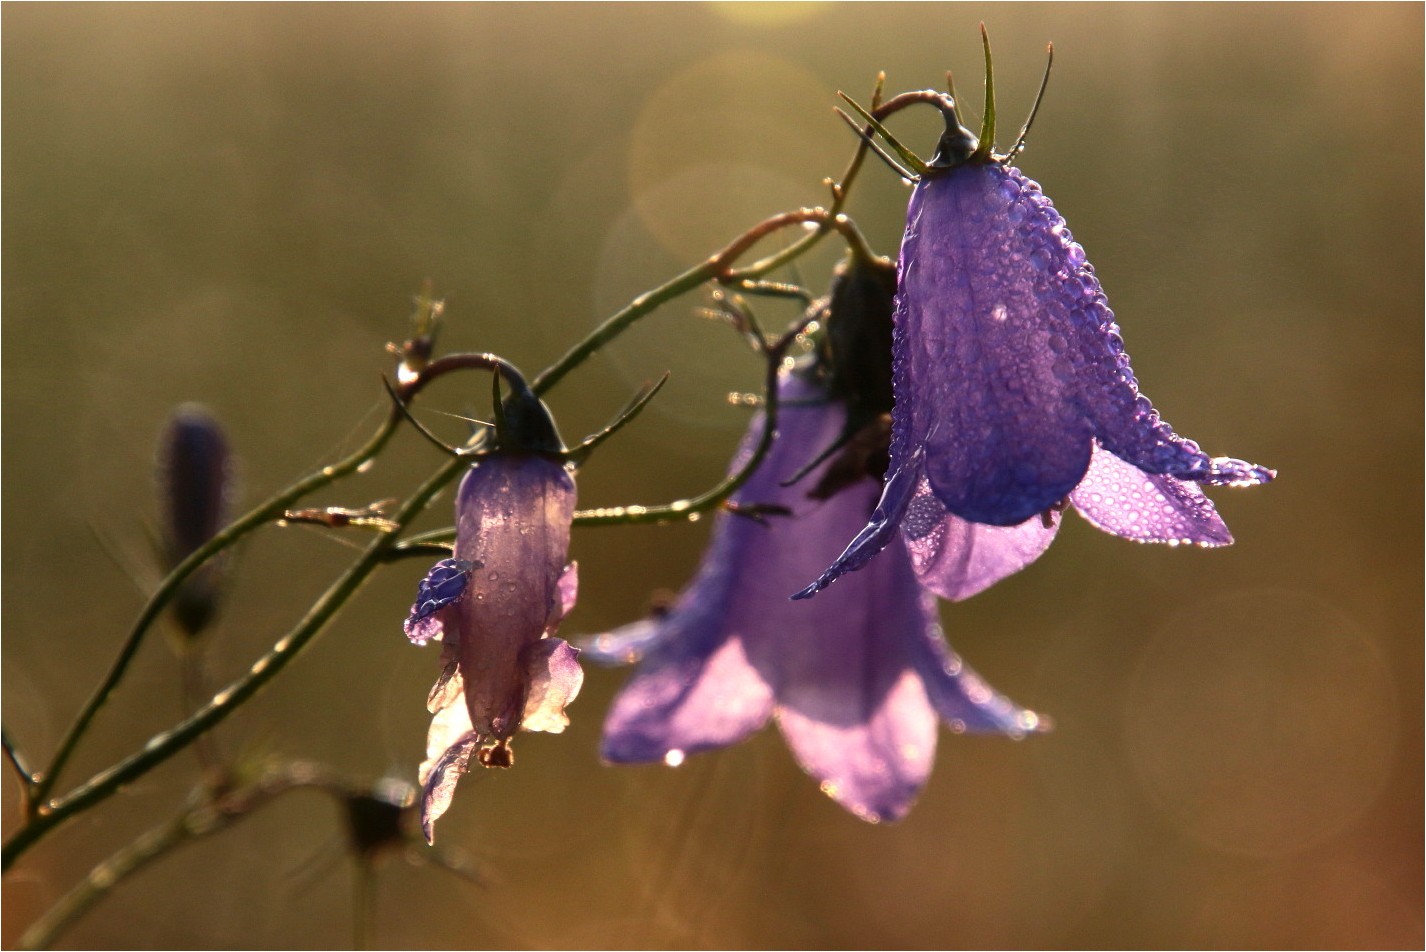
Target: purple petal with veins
(1010,375)
(1124,501)
(443,585)
(851,677)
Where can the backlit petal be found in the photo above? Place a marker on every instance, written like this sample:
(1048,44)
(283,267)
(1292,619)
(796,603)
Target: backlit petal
(957,559)
(555,676)
(1120,499)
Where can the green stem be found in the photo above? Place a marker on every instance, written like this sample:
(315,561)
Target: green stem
(103,878)
(204,819)
(267,512)
(163,746)
(688,508)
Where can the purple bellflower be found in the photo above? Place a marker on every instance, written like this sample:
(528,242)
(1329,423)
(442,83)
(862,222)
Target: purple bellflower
(495,607)
(857,681)
(195,480)
(1014,397)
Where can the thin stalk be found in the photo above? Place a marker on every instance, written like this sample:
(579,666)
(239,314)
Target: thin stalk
(165,745)
(719,268)
(840,191)
(105,877)
(203,819)
(687,508)
(272,510)
(267,512)
(23,772)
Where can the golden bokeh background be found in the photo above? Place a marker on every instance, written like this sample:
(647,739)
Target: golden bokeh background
(234,204)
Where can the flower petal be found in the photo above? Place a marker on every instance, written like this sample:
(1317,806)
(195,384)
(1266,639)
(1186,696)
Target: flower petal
(513,514)
(874,763)
(552,667)
(985,377)
(450,724)
(1127,425)
(962,697)
(439,777)
(443,585)
(957,559)
(567,590)
(900,486)
(1120,499)
(691,696)
(449,687)
(850,699)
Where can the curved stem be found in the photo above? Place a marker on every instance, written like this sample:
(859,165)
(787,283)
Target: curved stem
(272,510)
(690,508)
(23,771)
(719,267)
(105,877)
(204,819)
(163,746)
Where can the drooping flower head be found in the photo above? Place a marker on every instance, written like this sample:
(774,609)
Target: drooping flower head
(496,605)
(1014,396)
(857,681)
(195,485)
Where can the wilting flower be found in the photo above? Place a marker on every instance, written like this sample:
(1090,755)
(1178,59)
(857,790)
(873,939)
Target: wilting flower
(1014,396)
(195,483)
(857,680)
(495,607)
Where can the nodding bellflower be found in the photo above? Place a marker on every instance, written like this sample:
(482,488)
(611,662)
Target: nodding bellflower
(857,681)
(495,607)
(1014,397)
(195,482)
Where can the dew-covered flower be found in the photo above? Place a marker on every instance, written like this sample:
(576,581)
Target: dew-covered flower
(195,485)
(857,680)
(1014,396)
(495,606)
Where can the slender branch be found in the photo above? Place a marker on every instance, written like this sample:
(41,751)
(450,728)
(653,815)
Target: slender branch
(163,746)
(840,190)
(103,878)
(438,543)
(685,509)
(272,510)
(719,267)
(269,511)
(203,819)
(23,772)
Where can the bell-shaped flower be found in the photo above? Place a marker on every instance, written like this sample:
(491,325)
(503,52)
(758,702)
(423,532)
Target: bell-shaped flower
(857,680)
(195,486)
(1013,394)
(495,607)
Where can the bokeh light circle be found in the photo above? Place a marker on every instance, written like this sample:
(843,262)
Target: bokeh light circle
(1262,723)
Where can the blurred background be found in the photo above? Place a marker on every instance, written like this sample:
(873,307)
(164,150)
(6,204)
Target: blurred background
(235,204)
